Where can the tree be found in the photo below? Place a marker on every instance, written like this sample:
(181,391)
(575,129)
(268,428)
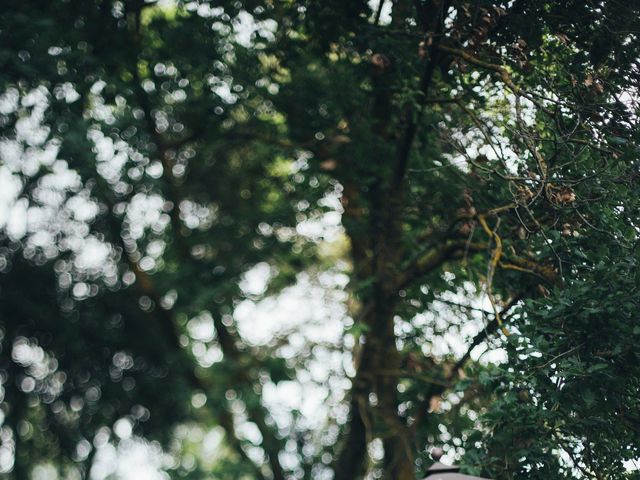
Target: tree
(484,155)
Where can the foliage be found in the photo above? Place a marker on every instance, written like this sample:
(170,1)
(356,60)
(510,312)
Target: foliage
(157,156)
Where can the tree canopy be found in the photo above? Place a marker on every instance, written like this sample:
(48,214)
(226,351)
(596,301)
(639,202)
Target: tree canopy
(311,240)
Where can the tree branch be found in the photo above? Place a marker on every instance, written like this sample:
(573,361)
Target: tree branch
(438,388)
(469,57)
(167,325)
(256,411)
(489,329)
(435,35)
(434,258)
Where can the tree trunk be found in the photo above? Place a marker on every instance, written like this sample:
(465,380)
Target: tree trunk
(376,254)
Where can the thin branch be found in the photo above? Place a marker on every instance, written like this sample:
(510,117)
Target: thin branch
(469,57)
(488,330)
(376,20)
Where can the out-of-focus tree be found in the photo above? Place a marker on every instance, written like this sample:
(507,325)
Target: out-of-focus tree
(483,157)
